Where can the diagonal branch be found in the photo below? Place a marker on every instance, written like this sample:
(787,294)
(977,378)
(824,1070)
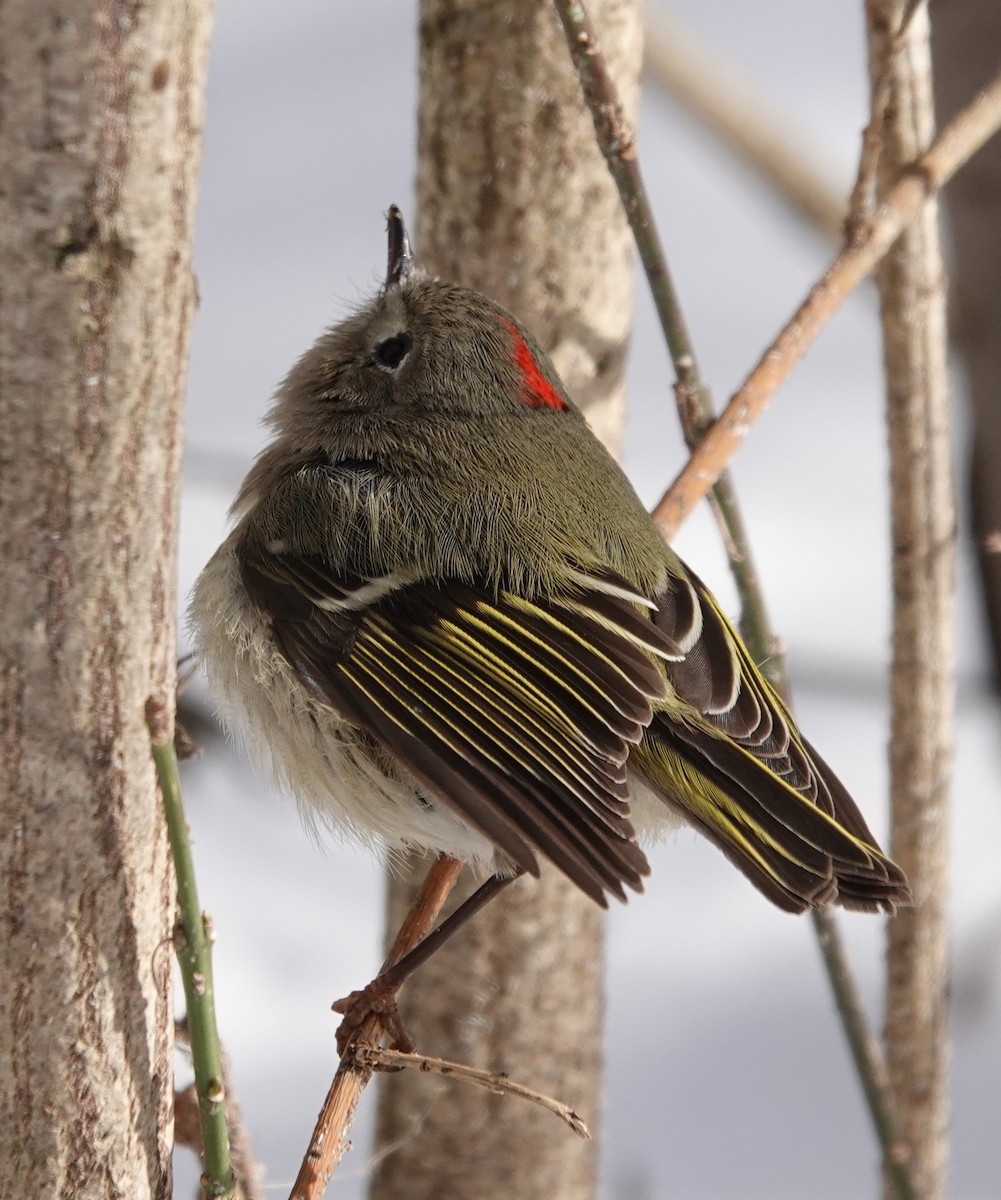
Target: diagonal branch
(960,139)
(329,1140)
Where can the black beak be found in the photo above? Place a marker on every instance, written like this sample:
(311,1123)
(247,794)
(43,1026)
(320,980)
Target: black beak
(400,263)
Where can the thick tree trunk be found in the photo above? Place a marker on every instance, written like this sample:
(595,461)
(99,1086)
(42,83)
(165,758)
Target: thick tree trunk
(514,198)
(912,295)
(99,143)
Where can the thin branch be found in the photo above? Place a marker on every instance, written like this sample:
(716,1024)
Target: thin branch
(960,139)
(193,946)
(695,405)
(618,145)
(600,95)
(376,1057)
(866,1053)
(734,111)
(329,1140)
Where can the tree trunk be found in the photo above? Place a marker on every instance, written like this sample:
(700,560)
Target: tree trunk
(965,37)
(515,199)
(99,143)
(912,295)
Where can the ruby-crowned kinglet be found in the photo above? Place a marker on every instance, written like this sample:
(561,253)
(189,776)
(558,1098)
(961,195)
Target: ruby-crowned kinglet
(446,622)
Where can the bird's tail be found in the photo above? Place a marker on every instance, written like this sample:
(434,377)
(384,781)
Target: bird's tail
(801,851)
(724,750)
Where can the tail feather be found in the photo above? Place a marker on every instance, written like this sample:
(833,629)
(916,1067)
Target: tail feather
(799,854)
(724,751)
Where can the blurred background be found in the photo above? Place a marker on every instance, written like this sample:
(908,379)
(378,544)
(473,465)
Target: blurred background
(728,1075)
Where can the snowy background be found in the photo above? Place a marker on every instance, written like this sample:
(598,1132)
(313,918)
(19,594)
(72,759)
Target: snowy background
(727,1071)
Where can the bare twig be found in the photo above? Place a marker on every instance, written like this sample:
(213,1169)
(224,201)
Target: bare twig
(734,111)
(960,139)
(599,93)
(374,1057)
(329,1140)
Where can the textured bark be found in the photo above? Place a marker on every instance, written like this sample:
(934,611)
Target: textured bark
(515,198)
(99,140)
(966,35)
(912,294)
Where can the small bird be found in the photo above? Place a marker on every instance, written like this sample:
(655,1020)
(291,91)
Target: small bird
(446,622)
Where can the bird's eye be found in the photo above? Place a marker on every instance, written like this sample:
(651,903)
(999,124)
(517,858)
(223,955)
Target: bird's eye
(392,351)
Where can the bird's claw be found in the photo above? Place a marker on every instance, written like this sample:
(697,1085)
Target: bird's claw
(377,999)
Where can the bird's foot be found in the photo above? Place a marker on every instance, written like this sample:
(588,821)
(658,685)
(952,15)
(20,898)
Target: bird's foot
(377,999)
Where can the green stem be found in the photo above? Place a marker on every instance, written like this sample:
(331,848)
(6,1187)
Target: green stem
(696,410)
(193,946)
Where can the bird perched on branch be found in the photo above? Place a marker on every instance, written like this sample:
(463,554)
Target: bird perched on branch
(446,622)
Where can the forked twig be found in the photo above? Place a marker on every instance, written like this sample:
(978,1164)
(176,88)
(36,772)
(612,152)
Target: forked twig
(861,202)
(374,1057)
(329,1140)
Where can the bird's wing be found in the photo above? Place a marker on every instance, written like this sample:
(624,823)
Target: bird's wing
(725,750)
(518,714)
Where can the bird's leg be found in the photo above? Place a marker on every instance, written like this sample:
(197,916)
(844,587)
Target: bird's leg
(379,996)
